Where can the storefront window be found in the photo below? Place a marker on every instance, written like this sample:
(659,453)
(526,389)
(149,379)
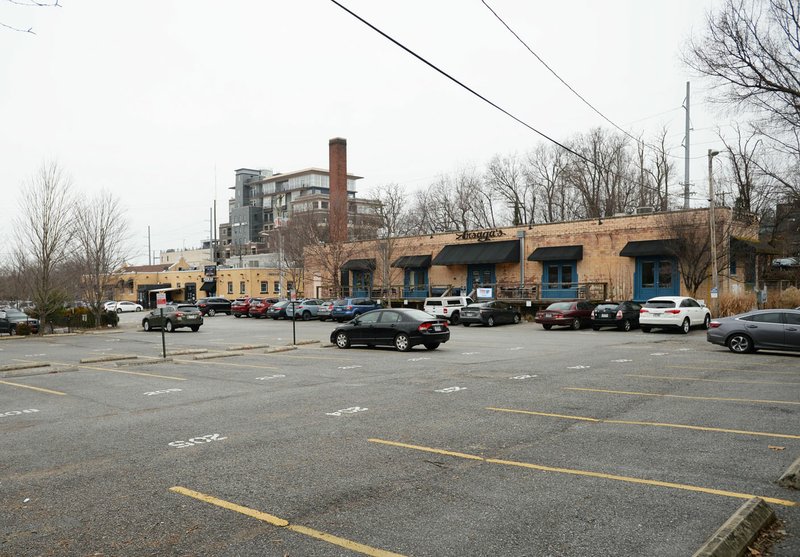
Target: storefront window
(648,274)
(264,287)
(665,274)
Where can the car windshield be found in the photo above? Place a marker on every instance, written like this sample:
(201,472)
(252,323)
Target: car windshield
(660,304)
(11,312)
(606,307)
(560,306)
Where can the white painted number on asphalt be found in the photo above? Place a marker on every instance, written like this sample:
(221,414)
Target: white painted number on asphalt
(163,392)
(469,353)
(348,367)
(579,367)
(451,389)
(660,354)
(267,377)
(17,412)
(34,355)
(684,349)
(417,359)
(196,441)
(622,361)
(351,410)
(524,376)
(516,348)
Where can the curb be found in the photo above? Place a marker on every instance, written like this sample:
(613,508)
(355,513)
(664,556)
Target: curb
(31,365)
(791,478)
(215,355)
(739,531)
(280,349)
(106,359)
(37,371)
(154,361)
(306,341)
(187,351)
(247,347)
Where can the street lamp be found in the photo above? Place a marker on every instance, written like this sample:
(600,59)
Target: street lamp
(712,229)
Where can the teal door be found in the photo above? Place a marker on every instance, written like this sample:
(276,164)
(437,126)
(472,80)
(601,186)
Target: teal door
(415,282)
(480,276)
(560,280)
(655,276)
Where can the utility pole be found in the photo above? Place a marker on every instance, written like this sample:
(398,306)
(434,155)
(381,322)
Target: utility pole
(149,248)
(686,152)
(712,229)
(211,235)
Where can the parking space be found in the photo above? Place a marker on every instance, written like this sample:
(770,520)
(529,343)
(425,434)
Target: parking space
(506,441)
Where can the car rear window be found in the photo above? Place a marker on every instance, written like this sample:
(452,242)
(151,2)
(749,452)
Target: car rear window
(560,306)
(433,303)
(660,304)
(606,307)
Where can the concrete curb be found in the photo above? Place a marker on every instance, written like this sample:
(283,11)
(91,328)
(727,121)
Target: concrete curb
(327,345)
(247,347)
(27,365)
(791,478)
(154,361)
(305,341)
(187,351)
(739,531)
(37,371)
(215,355)
(280,349)
(106,359)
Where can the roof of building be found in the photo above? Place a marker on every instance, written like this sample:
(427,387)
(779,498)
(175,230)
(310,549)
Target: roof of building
(160,268)
(312,170)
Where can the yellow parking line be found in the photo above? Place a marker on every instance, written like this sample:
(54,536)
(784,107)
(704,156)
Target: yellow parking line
(655,424)
(750,362)
(281,523)
(216,363)
(32,388)
(575,472)
(735,370)
(290,355)
(678,378)
(682,396)
(93,368)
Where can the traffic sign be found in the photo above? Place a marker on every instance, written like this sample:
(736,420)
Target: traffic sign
(161,299)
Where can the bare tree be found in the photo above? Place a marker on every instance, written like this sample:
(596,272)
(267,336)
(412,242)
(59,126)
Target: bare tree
(44,237)
(392,211)
(31,4)
(505,176)
(690,243)
(545,170)
(102,247)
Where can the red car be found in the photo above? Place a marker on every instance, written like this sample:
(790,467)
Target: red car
(565,314)
(259,307)
(240,307)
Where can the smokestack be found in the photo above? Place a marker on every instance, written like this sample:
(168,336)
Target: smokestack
(337,218)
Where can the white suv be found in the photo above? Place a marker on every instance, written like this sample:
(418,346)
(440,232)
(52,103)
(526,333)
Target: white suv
(673,312)
(447,307)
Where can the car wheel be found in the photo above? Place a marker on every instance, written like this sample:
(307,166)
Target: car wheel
(455,318)
(595,327)
(466,324)
(645,329)
(707,322)
(237,315)
(685,326)
(740,344)
(169,327)
(146,325)
(195,328)
(626,325)
(306,315)
(138,309)
(119,310)
(517,318)
(402,343)
(490,321)
(547,327)
(342,340)
(212,312)
(432,345)
(576,324)
(12,331)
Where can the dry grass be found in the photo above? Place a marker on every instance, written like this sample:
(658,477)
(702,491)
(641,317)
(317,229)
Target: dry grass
(732,304)
(789,298)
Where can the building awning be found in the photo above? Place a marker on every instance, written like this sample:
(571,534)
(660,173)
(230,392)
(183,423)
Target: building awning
(557,253)
(412,261)
(483,252)
(640,248)
(210,287)
(359,265)
(747,244)
(170,289)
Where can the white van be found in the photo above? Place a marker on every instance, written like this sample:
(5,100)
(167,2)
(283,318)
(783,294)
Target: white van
(447,307)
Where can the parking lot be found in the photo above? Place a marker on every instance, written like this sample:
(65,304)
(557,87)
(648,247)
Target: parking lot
(509,440)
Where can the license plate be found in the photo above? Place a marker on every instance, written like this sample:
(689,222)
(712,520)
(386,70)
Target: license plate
(548,315)
(437,328)
(603,315)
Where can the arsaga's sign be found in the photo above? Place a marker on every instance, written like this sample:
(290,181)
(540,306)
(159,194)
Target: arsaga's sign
(480,235)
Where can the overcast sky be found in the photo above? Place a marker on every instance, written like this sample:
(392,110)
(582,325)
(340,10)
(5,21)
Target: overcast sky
(160,101)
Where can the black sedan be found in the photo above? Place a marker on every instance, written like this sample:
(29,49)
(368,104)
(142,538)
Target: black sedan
(401,328)
(278,311)
(490,314)
(622,315)
(766,329)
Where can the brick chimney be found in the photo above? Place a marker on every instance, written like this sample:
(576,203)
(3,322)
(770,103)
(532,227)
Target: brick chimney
(337,218)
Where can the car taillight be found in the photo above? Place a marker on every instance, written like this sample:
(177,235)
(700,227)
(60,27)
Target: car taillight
(714,324)
(619,314)
(673,311)
(349,307)
(643,311)
(423,327)
(178,314)
(593,314)
(444,310)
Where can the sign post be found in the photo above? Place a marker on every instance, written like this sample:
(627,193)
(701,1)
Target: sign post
(293,298)
(161,301)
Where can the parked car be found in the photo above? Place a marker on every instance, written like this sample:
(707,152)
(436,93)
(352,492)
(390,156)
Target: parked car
(213,305)
(110,305)
(489,314)
(353,307)
(258,309)
(304,309)
(124,307)
(673,312)
(278,310)
(240,307)
(15,317)
(766,329)
(622,315)
(325,309)
(175,317)
(401,328)
(786,262)
(574,315)
(447,307)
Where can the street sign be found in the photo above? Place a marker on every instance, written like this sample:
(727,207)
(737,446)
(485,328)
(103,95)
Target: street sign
(714,293)
(161,299)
